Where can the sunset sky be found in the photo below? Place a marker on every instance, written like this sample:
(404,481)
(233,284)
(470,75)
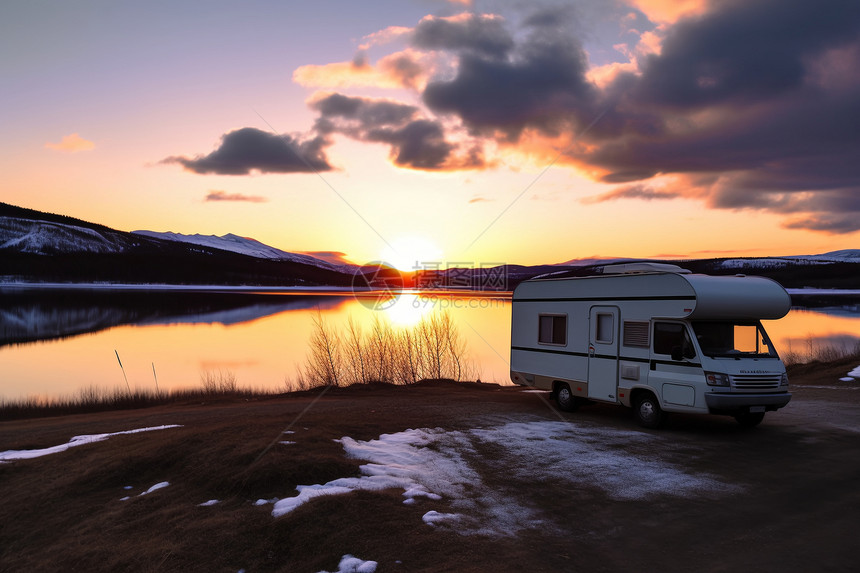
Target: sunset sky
(460,132)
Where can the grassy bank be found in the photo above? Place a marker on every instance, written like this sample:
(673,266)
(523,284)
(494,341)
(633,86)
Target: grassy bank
(93,507)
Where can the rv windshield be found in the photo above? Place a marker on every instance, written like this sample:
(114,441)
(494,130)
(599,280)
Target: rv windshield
(733,340)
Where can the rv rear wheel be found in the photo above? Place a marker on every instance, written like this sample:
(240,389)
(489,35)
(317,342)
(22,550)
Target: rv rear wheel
(647,411)
(565,399)
(750,420)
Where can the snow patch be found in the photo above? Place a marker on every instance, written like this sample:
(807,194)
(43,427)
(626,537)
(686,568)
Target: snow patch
(209,503)
(433,464)
(350,564)
(434,517)
(74,442)
(156,487)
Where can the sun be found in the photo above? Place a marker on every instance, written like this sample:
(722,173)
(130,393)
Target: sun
(412,253)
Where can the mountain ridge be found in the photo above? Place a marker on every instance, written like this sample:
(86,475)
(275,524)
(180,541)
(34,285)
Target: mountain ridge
(46,247)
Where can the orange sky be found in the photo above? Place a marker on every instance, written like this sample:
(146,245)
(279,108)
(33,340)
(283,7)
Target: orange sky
(493,155)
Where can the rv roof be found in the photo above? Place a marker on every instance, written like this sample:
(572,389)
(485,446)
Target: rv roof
(636,268)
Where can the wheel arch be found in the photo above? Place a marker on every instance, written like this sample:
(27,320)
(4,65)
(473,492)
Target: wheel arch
(637,391)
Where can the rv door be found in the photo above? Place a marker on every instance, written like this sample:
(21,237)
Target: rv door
(603,353)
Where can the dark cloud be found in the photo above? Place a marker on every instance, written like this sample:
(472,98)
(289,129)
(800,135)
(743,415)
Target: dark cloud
(249,149)
(482,35)
(758,103)
(363,113)
(761,97)
(219,195)
(827,222)
(416,142)
(419,144)
(542,86)
(745,51)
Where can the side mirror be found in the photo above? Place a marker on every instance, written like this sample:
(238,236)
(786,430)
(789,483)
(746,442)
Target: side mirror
(677,353)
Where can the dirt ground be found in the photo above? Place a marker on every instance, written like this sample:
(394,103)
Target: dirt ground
(786,495)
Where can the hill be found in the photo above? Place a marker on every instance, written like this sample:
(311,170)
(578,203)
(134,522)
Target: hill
(45,247)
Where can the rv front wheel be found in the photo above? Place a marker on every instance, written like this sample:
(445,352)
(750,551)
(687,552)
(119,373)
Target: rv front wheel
(647,411)
(565,399)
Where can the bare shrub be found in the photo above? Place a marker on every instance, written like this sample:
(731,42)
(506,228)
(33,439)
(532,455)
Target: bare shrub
(325,363)
(431,349)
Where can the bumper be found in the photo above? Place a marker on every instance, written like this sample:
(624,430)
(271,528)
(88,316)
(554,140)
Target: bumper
(719,403)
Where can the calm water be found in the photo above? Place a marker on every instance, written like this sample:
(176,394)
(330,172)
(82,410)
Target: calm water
(54,343)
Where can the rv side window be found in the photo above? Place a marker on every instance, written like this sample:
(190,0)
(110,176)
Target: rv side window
(670,335)
(605,326)
(552,329)
(636,333)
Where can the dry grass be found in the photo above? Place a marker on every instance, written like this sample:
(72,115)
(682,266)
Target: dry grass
(815,351)
(92,398)
(432,349)
(64,512)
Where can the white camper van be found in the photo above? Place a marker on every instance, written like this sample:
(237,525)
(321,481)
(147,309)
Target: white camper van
(653,337)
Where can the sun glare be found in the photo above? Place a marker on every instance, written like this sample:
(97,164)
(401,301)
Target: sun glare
(412,253)
(408,309)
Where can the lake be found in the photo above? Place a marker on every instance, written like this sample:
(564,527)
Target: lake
(57,341)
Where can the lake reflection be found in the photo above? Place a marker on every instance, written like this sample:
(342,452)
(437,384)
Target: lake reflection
(54,343)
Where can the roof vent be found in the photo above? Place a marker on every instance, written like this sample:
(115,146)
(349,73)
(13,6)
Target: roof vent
(640,268)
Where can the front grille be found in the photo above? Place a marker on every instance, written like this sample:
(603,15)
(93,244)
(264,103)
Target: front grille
(756,381)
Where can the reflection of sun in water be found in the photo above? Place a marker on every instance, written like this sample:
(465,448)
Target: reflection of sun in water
(412,253)
(409,309)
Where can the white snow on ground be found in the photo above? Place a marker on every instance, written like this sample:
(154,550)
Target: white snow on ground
(286,442)
(156,487)
(74,442)
(209,503)
(433,463)
(350,564)
(850,377)
(399,460)
(434,517)
(612,460)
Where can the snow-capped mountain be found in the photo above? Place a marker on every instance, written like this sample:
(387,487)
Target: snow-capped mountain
(47,237)
(45,247)
(244,246)
(843,256)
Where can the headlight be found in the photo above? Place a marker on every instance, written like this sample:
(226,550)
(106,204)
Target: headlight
(784,380)
(716,379)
